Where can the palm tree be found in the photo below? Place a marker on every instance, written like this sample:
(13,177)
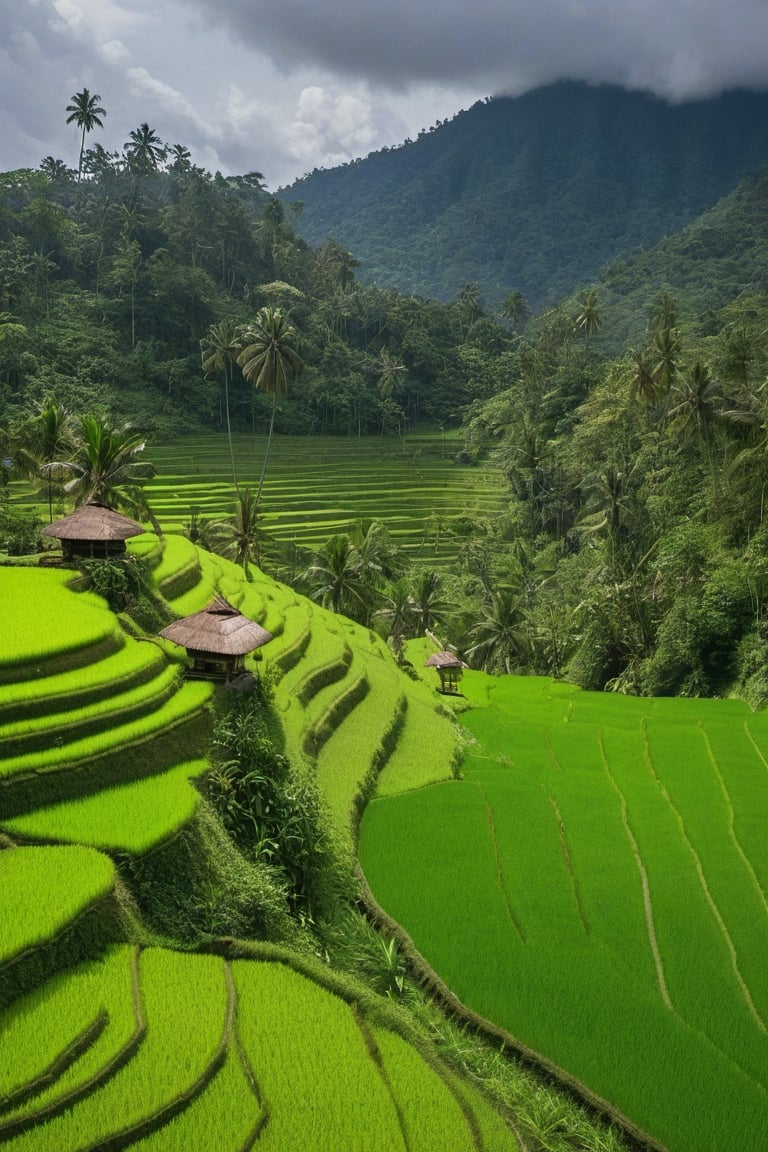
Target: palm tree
(500,642)
(588,320)
(86,113)
(397,612)
(106,468)
(335,578)
(429,607)
(697,398)
(387,367)
(45,438)
(144,149)
(666,352)
(514,309)
(239,537)
(220,349)
(268,357)
(643,386)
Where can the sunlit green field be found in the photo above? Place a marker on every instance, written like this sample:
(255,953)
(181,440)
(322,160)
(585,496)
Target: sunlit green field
(596,885)
(317,485)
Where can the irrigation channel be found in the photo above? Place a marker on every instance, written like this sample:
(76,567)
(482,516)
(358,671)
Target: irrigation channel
(317,486)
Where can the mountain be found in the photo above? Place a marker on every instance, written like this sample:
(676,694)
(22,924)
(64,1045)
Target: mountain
(534,193)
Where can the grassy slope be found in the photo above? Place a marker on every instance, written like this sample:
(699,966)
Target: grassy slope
(163,1102)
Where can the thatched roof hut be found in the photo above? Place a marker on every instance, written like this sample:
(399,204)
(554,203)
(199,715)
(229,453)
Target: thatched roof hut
(449,669)
(93,531)
(217,639)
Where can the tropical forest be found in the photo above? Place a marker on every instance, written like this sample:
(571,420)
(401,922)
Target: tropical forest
(384,639)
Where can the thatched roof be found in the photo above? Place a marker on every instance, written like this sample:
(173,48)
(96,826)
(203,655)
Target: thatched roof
(219,628)
(444,660)
(93,522)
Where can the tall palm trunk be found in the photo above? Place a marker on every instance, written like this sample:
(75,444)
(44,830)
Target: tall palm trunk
(266,450)
(229,428)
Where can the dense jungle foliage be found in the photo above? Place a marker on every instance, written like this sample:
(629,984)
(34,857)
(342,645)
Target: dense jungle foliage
(109,283)
(535,192)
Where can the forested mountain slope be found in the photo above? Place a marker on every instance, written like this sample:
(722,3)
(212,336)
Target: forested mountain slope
(534,193)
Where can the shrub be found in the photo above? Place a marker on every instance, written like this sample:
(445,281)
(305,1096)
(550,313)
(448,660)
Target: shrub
(19,531)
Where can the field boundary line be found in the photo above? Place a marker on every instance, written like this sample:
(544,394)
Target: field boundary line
(148,1124)
(20,1124)
(68,1055)
(499,871)
(250,1076)
(708,895)
(374,1053)
(755,745)
(569,866)
(732,822)
(647,904)
(437,987)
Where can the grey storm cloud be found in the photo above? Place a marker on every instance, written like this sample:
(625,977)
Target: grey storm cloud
(676,48)
(284,85)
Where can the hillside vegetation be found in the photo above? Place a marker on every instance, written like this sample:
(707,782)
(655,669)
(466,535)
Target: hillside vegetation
(534,193)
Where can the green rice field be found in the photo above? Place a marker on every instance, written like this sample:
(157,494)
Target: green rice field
(317,486)
(168,1051)
(596,885)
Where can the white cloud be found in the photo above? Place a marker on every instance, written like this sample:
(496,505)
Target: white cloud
(115,52)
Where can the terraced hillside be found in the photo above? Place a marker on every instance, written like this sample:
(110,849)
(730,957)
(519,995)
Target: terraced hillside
(596,885)
(106,1043)
(316,486)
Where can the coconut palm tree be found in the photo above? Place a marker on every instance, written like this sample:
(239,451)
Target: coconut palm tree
(86,112)
(397,612)
(220,350)
(588,320)
(144,149)
(48,436)
(267,359)
(106,469)
(514,309)
(239,537)
(500,643)
(428,606)
(335,578)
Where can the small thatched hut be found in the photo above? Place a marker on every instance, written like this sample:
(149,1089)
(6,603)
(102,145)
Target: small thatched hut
(449,669)
(217,640)
(93,532)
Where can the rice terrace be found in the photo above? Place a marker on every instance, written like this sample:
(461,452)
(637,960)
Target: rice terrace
(595,884)
(383,631)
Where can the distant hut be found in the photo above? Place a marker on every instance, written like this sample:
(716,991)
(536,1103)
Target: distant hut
(449,669)
(217,640)
(93,532)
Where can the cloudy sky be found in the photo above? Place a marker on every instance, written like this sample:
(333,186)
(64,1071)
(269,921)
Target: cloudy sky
(283,86)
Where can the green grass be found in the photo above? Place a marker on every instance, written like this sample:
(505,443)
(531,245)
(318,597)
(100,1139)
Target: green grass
(185,1002)
(591,886)
(64,622)
(59,728)
(129,818)
(424,752)
(427,1105)
(227,1115)
(133,664)
(347,756)
(191,698)
(35,1028)
(44,889)
(312,1063)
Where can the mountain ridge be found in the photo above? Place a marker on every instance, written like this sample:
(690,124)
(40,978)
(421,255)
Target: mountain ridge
(534,193)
